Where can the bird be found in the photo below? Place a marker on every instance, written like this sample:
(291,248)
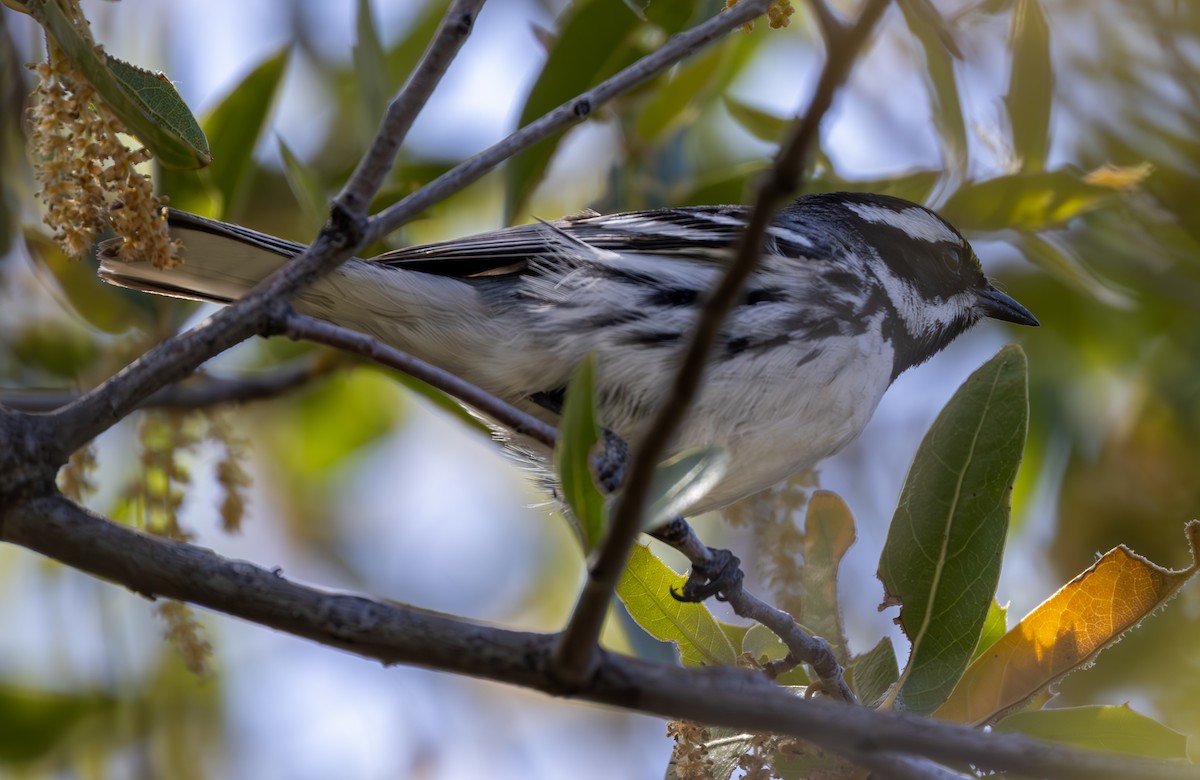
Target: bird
(851,290)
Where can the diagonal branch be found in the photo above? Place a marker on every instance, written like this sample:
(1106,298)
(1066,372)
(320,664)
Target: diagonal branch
(579,641)
(394,633)
(300,326)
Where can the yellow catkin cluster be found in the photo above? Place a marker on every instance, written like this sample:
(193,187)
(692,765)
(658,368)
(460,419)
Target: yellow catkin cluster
(689,760)
(232,476)
(88,176)
(186,635)
(778,14)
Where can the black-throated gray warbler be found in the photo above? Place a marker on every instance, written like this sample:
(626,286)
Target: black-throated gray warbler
(852,290)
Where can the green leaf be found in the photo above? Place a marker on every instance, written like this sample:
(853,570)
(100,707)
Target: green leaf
(1027,202)
(310,195)
(147,103)
(873,673)
(928,27)
(593,36)
(578,433)
(675,102)
(942,557)
(760,123)
(682,481)
(33,723)
(645,588)
(828,534)
(995,625)
(1059,258)
(370,69)
(1031,85)
(235,125)
(1110,729)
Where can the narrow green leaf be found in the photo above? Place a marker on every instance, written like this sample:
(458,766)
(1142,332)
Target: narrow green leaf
(593,35)
(1031,85)
(1060,259)
(578,433)
(370,69)
(828,534)
(1110,729)
(682,481)
(873,673)
(310,195)
(942,557)
(995,625)
(645,588)
(928,27)
(33,723)
(758,122)
(147,103)
(236,123)
(1027,202)
(675,102)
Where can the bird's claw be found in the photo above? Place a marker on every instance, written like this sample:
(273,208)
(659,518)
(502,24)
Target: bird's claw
(722,573)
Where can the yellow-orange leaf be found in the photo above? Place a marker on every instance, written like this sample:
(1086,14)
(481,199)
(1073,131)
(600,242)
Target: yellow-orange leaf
(1066,631)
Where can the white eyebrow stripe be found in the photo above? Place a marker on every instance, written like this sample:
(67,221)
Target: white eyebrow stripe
(916,223)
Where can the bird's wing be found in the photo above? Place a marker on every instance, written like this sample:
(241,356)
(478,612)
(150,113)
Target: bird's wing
(701,234)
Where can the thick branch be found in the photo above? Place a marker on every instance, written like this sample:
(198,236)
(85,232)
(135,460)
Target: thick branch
(393,633)
(582,634)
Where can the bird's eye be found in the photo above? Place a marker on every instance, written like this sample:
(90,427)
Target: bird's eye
(952,259)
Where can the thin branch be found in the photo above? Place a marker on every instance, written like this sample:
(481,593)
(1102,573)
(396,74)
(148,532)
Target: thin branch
(583,632)
(199,392)
(299,326)
(393,633)
(570,113)
(374,166)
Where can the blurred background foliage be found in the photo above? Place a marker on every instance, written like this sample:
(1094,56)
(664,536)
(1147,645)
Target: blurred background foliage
(1061,136)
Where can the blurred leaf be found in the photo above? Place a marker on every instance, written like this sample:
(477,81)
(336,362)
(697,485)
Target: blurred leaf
(304,185)
(942,557)
(329,422)
(928,27)
(55,347)
(828,534)
(370,69)
(764,645)
(1067,631)
(760,123)
(147,103)
(578,433)
(111,309)
(994,627)
(593,34)
(1109,729)
(1027,202)
(1117,177)
(645,588)
(873,673)
(674,103)
(1058,258)
(33,723)
(236,124)
(914,185)
(682,481)
(404,56)
(1031,85)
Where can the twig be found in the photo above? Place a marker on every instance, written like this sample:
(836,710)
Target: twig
(374,166)
(583,631)
(300,326)
(570,113)
(393,633)
(197,393)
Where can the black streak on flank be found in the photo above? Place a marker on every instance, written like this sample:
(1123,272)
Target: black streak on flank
(743,344)
(652,338)
(672,296)
(765,295)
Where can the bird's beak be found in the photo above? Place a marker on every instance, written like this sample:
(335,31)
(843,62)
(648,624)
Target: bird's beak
(999,306)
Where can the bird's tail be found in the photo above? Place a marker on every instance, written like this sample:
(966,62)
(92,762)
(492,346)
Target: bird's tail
(221,261)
